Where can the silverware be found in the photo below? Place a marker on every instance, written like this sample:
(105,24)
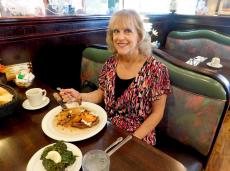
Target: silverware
(72,99)
(129,137)
(59,100)
(113,144)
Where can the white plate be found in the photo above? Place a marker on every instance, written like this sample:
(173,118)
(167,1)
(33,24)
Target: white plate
(218,66)
(26,104)
(36,164)
(51,130)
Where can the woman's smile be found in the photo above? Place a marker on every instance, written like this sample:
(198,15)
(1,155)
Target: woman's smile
(121,46)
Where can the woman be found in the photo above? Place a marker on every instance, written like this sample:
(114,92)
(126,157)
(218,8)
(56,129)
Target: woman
(132,83)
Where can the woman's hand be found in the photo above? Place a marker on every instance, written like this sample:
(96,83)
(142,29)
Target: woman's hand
(153,119)
(71,95)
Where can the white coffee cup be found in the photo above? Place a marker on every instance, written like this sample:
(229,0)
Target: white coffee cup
(36,96)
(215,61)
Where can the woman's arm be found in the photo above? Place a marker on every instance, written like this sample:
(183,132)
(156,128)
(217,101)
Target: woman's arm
(153,119)
(70,95)
(94,96)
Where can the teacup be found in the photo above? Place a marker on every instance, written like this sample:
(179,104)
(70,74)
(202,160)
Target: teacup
(36,96)
(215,61)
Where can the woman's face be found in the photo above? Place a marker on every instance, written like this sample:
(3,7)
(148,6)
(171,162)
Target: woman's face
(125,39)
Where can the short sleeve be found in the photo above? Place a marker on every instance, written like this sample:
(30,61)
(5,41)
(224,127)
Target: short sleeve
(161,82)
(104,73)
(102,77)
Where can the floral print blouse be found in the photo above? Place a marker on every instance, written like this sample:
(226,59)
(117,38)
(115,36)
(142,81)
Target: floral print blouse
(130,110)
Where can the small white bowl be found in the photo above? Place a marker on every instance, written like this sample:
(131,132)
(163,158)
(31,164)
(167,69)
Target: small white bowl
(23,84)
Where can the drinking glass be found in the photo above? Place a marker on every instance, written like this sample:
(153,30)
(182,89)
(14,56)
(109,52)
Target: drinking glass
(96,160)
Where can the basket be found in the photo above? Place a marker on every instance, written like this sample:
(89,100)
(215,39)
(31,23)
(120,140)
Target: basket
(8,108)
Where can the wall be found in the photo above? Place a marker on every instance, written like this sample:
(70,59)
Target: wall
(54,44)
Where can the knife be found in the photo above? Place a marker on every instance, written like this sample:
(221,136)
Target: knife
(59,100)
(129,137)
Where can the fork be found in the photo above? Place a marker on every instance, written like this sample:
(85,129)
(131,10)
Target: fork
(59,100)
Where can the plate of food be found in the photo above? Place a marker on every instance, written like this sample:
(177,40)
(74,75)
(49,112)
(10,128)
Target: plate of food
(76,123)
(57,156)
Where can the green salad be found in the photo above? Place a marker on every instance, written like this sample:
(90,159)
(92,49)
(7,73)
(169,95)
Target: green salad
(66,157)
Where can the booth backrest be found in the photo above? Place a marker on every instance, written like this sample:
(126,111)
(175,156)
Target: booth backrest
(199,43)
(91,65)
(194,109)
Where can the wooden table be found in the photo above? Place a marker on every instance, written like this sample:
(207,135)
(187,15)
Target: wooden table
(21,136)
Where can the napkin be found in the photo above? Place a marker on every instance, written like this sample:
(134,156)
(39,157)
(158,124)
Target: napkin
(196,61)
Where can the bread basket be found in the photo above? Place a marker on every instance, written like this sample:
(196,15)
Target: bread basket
(8,108)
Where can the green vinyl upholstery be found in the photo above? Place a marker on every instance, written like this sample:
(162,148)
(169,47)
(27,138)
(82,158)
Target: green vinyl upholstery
(205,34)
(195,98)
(91,65)
(205,43)
(193,114)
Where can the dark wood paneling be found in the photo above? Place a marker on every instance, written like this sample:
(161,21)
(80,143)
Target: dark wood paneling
(166,23)
(44,25)
(162,24)
(58,59)
(54,45)
(217,23)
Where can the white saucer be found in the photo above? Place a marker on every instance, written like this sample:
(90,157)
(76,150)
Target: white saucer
(214,66)
(26,104)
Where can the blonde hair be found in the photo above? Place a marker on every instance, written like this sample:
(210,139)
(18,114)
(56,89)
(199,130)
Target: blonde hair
(126,17)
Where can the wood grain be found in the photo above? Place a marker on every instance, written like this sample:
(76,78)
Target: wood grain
(220,157)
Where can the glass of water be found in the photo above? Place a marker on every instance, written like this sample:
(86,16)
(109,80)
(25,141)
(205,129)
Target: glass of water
(96,160)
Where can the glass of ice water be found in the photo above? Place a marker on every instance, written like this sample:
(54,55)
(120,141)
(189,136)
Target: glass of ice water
(96,160)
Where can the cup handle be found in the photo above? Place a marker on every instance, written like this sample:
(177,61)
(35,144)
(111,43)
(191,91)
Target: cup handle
(44,94)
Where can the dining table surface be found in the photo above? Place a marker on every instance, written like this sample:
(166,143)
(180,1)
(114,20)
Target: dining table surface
(21,136)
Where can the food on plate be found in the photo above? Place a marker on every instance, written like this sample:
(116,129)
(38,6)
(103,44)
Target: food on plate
(2,68)
(78,117)
(56,157)
(5,96)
